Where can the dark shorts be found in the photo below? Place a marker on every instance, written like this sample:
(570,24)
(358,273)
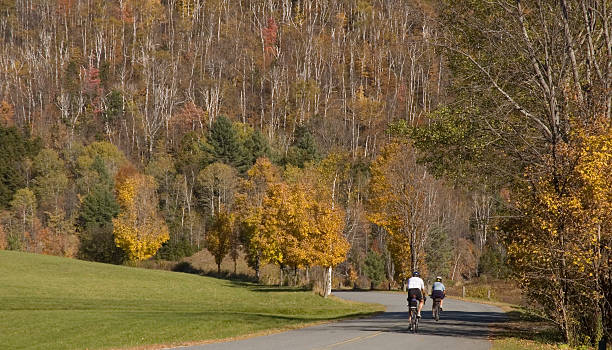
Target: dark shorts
(416,292)
(437,294)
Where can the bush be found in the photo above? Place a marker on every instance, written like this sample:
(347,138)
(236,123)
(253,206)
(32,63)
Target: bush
(175,249)
(479,292)
(98,244)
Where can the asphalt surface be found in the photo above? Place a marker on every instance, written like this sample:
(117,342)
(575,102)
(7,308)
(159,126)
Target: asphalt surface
(462,326)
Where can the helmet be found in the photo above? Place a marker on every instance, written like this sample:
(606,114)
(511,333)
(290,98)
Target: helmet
(415,274)
(439,279)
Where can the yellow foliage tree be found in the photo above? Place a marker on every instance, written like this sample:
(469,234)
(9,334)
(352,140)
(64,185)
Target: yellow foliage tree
(403,201)
(328,242)
(294,229)
(561,243)
(218,238)
(282,226)
(249,204)
(139,230)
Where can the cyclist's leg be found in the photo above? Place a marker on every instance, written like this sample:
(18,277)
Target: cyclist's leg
(421,303)
(410,312)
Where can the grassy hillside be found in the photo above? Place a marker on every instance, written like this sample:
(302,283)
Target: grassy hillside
(56,303)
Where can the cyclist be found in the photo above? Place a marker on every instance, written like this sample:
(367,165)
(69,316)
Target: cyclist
(416,287)
(438,290)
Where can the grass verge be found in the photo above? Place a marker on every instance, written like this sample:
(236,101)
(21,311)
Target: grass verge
(525,330)
(56,303)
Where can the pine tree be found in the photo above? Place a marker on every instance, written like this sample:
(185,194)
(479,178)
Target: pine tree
(226,146)
(439,253)
(303,150)
(95,220)
(374,267)
(257,147)
(98,209)
(14,148)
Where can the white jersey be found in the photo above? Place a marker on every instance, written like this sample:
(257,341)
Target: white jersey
(416,282)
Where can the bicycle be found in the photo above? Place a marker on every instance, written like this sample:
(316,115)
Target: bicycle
(435,309)
(412,312)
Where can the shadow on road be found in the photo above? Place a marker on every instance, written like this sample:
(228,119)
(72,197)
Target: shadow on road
(452,323)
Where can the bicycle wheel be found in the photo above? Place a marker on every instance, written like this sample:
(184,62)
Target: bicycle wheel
(416,325)
(436,311)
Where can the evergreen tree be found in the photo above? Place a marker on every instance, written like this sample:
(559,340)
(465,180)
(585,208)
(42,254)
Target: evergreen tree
(98,209)
(95,220)
(374,267)
(194,154)
(256,146)
(493,261)
(226,146)
(439,253)
(303,150)
(15,147)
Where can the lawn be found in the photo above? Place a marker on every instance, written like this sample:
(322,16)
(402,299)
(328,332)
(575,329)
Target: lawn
(49,302)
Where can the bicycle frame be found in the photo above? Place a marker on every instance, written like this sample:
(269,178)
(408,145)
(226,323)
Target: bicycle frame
(435,309)
(414,320)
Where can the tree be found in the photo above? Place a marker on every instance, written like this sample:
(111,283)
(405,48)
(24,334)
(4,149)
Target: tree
(218,183)
(303,150)
(269,235)
(562,241)
(15,147)
(226,145)
(255,144)
(219,236)
(59,236)
(91,158)
(7,114)
(50,179)
(404,201)
(249,206)
(23,207)
(541,71)
(95,221)
(161,167)
(329,244)
(374,267)
(285,228)
(138,230)
(439,252)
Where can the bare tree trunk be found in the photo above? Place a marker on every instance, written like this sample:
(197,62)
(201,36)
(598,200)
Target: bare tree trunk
(328,281)
(455,267)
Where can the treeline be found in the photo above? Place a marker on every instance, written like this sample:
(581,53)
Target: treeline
(145,86)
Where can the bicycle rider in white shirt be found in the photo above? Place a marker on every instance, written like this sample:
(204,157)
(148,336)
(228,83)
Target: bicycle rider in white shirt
(416,287)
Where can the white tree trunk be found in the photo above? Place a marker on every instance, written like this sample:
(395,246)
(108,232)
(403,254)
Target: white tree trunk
(328,281)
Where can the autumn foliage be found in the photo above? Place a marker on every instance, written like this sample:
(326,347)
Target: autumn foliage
(562,246)
(138,230)
(289,225)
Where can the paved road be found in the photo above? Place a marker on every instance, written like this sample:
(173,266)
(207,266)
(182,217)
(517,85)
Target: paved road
(462,326)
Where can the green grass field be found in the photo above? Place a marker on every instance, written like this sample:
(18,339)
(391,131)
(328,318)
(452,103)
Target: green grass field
(57,303)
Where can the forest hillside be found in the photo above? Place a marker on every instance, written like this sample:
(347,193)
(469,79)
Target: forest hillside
(368,138)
